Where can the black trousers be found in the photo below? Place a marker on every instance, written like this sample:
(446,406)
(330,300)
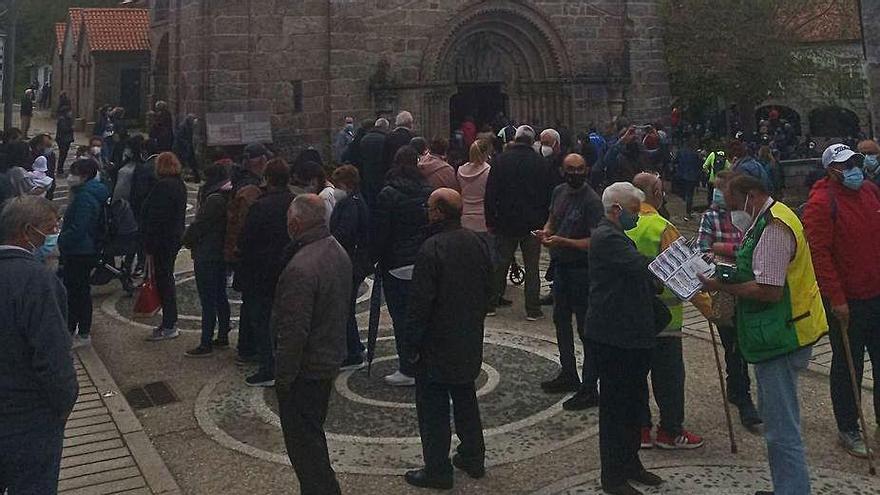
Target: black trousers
(571,294)
(303,408)
(163,264)
(623,378)
(738,382)
(77,271)
(432,406)
(63,150)
(864,336)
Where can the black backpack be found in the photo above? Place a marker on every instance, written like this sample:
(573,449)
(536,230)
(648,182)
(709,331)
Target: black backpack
(116,222)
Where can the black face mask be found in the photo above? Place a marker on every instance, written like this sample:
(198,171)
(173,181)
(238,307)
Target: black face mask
(576,181)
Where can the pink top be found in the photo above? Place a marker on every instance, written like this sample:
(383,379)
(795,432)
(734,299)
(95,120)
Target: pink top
(472,179)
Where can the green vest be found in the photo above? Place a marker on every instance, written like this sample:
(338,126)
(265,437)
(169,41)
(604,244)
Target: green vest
(768,330)
(647,236)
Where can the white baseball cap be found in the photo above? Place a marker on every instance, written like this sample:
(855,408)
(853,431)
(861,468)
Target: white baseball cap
(837,153)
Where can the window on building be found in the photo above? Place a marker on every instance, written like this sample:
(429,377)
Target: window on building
(297,95)
(850,85)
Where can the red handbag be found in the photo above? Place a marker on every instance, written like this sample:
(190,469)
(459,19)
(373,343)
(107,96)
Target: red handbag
(148,301)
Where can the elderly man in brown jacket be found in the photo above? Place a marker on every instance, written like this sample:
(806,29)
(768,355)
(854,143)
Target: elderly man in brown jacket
(309,321)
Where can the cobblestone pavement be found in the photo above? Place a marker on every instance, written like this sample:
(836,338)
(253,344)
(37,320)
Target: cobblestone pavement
(219,436)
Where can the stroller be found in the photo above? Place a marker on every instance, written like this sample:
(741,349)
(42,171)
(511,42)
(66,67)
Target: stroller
(120,239)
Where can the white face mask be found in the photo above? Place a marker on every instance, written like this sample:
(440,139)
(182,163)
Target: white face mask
(74,180)
(742,219)
(547,151)
(95,150)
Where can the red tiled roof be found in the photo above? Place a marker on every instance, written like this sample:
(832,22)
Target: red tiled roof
(60,28)
(828,20)
(117,30)
(75,16)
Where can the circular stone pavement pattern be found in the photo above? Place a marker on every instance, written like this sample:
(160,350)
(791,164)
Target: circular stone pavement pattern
(720,479)
(120,306)
(373,429)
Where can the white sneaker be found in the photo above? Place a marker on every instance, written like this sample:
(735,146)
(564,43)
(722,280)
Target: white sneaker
(80,341)
(398,379)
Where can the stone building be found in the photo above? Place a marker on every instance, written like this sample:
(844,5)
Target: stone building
(830,98)
(104,58)
(870,20)
(310,63)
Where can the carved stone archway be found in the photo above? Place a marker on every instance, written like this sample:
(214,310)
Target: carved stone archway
(505,43)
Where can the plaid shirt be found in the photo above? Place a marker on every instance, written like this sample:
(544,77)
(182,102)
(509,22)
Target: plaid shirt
(717,227)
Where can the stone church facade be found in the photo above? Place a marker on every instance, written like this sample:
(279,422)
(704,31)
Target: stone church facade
(310,63)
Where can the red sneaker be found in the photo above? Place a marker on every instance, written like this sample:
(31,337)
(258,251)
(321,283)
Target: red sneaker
(685,441)
(646,438)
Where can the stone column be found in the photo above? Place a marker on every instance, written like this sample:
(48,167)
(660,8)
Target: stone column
(871,34)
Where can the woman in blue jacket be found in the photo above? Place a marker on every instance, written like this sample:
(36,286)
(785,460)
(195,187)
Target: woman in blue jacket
(79,245)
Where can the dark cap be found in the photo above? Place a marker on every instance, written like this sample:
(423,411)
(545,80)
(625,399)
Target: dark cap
(256,150)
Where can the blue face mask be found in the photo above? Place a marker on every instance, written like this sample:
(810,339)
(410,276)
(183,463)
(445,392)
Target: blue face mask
(871,163)
(718,198)
(50,243)
(628,220)
(853,178)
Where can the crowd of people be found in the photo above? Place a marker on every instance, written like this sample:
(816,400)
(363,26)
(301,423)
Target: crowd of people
(438,239)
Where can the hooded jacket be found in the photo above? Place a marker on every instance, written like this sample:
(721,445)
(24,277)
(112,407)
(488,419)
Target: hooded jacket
(206,235)
(262,241)
(472,179)
(81,228)
(437,172)
(400,222)
(38,384)
(841,225)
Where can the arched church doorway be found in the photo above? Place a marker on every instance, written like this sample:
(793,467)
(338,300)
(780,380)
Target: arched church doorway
(498,56)
(482,103)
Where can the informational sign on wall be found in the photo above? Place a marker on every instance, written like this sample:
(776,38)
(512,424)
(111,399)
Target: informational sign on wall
(230,129)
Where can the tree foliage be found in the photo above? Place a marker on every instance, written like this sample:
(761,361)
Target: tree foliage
(36,29)
(737,51)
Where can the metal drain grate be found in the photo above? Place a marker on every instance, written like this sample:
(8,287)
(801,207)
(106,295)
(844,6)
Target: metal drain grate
(150,395)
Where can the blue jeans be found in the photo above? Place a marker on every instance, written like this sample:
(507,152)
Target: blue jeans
(261,314)
(397,299)
(778,405)
(30,463)
(211,284)
(353,337)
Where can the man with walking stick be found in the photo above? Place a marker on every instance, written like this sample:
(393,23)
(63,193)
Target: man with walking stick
(841,219)
(779,318)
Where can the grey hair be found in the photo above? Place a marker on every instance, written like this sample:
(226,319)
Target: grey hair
(382,124)
(21,211)
(553,134)
(404,119)
(309,209)
(621,193)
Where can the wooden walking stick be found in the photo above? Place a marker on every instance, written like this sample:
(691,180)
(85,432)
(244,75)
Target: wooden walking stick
(844,330)
(733,449)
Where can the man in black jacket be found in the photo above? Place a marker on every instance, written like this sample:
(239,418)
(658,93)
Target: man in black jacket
(37,381)
(451,287)
(621,332)
(517,201)
(399,137)
(372,161)
(261,245)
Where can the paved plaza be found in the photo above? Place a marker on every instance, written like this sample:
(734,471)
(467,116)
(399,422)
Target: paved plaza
(220,436)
